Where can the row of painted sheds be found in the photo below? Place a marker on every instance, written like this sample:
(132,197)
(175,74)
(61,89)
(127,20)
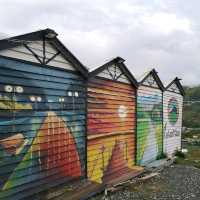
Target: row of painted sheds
(60,123)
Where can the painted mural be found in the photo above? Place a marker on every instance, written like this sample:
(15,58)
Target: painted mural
(111,130)
(149,124)
(173,111)
(42,128)
(172,103)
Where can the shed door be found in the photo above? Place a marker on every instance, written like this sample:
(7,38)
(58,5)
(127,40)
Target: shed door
(111,129)
(149,124)
(172,104)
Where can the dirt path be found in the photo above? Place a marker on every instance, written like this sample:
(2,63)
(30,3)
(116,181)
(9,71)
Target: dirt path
(176,182)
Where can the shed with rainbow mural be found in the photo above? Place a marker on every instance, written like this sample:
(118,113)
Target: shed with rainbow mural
(149,118)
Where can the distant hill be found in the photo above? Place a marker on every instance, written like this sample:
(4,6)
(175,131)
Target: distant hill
(191,108)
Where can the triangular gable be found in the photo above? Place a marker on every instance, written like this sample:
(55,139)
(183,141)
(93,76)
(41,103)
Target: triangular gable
(115,70)
(21,52)
(176,87)
(152,80)
(42,47)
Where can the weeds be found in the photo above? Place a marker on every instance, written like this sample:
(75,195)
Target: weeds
(179,154)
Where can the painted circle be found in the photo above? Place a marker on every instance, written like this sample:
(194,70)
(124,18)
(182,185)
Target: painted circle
(32,98)
(69,93)
(76,94)
(173,111)
(122,111)
(8,88)
(19,89)
(39,99)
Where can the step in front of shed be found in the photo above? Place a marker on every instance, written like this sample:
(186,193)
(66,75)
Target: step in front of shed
(86,189)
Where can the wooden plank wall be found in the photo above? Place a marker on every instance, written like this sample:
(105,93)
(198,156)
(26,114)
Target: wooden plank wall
(42,128)
(149,124)
(172,106)
(110,129)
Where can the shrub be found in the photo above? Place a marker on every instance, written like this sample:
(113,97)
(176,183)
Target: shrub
(179,154)
(161,156)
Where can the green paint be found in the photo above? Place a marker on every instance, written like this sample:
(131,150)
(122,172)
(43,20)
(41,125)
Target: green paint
(142,131)
(173,111)
(149,117)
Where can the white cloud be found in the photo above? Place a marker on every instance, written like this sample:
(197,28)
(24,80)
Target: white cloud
(167,23)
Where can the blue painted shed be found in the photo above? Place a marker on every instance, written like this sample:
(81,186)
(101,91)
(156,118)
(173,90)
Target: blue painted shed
(42,114)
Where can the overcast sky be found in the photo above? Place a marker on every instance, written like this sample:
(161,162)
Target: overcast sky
(161,34)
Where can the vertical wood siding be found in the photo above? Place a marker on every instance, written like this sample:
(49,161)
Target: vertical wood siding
(172,105)
(149,124)
(111,129)
(42,128)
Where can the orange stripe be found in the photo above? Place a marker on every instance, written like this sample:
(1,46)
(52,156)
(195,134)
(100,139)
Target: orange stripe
(110,83)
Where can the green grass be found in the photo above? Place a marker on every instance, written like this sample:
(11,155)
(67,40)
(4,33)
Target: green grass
(191,133)
(192,157)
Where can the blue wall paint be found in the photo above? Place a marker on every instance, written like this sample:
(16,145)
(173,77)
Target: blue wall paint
(31,96)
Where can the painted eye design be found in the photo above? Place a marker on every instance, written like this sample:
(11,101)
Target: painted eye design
(8,88)
(69,93)
(19,89)
(39,99)
(61,99)
(76,94)
(32,98)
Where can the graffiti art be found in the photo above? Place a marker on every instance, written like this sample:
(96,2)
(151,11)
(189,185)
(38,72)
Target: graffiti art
(172,121)
(42,127)
(149,126)
(111,130)
(173,110)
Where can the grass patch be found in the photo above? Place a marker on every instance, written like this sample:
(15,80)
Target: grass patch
(179,154)
(192,158)
(191,133)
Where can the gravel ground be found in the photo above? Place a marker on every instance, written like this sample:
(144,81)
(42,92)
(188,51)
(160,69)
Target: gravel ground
(177,182)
